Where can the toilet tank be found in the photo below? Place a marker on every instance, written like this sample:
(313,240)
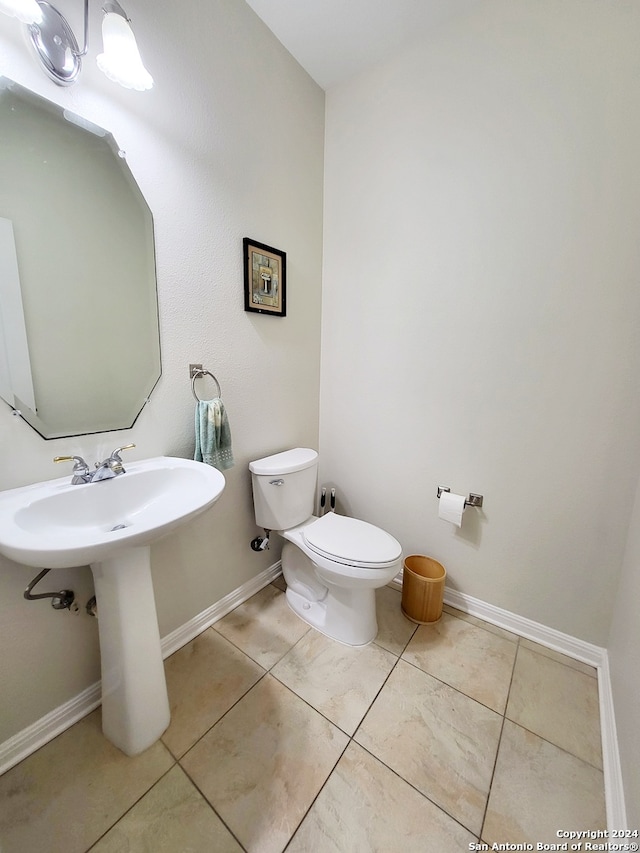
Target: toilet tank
(284,488)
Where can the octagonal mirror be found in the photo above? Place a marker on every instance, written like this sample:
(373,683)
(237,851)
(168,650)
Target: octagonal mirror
(79,336)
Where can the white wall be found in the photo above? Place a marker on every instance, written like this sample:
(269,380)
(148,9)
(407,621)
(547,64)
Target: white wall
(228,144)
(480,301)
(624,663)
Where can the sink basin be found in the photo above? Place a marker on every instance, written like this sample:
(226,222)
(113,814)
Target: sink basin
(110,526)
(57,525)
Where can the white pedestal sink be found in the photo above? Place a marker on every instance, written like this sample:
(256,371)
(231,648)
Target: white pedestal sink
(135,705)
(109,525)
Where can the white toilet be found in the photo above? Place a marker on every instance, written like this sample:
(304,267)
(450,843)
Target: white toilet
(333,564)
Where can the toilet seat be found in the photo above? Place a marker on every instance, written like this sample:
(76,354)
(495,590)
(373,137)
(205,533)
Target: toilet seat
(351,542)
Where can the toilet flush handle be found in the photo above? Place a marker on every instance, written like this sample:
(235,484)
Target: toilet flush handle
(276,482)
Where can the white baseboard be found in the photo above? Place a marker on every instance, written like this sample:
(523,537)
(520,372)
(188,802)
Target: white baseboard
(527,628)
(20,746)
(187,632)
(613,785)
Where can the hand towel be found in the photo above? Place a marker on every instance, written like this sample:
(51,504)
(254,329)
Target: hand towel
(213,435)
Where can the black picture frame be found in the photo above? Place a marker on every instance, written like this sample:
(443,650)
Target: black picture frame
(265,278)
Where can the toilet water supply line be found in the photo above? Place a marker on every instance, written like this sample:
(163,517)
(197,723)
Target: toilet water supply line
(261,543)
(323,500)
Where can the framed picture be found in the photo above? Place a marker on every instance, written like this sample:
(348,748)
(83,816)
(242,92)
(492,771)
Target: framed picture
(265,279)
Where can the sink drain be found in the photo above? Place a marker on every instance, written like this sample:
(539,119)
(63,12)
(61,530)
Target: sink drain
(118,527)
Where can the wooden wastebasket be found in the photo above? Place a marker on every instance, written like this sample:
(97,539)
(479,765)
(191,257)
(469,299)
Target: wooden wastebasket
(422,589)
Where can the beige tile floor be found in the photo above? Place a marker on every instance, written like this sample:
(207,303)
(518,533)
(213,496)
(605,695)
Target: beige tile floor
(433,738)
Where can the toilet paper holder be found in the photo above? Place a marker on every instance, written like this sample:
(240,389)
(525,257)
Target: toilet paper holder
(472,500)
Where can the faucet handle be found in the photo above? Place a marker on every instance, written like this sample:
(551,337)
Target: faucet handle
(80,468)
(115,462)
(116,453)
(79,461)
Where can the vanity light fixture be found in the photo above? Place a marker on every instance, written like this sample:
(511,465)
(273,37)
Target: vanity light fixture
(58,51)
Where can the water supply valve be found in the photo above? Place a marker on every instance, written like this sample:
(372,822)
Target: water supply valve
(261,543)
(63,600)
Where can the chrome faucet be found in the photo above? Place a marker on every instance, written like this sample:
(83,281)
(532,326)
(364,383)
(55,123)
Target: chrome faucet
(80,473)
(107,469)
(112,466)
(103,471)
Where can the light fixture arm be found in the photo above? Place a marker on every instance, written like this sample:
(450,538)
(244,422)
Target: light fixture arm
(85,46)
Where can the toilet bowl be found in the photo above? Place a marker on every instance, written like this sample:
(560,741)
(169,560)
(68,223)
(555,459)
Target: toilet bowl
(333,564)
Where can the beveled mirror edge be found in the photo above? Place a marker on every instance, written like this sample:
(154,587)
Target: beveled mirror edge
(23,410)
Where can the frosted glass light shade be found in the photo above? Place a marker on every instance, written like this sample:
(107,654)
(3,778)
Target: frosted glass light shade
(26,11)
(120,60)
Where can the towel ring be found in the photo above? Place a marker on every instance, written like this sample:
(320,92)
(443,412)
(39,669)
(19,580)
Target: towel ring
(198,374)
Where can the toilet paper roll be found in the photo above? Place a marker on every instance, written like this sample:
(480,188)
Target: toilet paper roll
(451,508)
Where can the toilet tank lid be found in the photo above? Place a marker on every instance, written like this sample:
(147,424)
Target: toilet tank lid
(285,463)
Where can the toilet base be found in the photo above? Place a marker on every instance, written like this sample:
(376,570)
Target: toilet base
(345,615)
